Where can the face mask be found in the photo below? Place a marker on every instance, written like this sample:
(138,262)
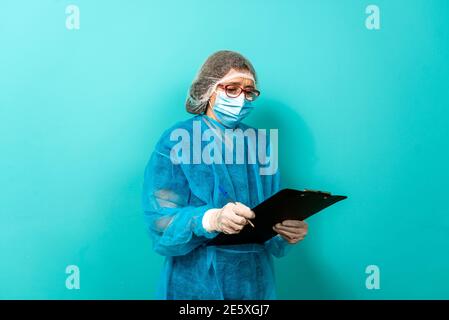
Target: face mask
(230,111)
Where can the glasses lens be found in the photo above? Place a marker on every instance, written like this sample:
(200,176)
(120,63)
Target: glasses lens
(251,95)
(233,91)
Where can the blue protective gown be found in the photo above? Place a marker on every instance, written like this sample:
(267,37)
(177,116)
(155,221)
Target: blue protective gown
(175,198)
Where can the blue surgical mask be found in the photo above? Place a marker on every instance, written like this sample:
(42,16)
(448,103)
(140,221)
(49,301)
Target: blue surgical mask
(231,111)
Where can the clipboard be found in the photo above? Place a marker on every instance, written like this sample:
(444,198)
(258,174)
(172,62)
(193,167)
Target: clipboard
(287,204)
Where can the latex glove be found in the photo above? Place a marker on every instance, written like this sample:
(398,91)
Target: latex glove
(230,219)
(292,231)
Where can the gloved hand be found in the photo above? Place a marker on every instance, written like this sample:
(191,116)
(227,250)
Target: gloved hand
(230,219)
(292,231)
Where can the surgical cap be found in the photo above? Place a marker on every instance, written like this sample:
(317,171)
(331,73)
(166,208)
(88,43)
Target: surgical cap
(216,67)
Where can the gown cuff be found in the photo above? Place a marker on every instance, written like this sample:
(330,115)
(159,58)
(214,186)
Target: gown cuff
(203,227)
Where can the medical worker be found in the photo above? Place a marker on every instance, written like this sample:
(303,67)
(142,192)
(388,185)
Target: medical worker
(186,204)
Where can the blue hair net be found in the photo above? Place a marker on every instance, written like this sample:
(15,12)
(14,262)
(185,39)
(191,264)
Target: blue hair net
(212,71)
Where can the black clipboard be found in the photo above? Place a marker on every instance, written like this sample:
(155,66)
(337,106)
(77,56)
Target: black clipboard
(287,204)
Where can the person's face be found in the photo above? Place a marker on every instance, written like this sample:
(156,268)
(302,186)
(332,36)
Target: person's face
(238,81)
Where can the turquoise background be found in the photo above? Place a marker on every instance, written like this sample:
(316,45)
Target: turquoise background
(361,113)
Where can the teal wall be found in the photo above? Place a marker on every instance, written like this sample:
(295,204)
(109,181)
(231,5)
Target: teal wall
(360,112)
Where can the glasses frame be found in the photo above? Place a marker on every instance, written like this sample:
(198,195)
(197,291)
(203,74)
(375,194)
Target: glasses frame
(225,87)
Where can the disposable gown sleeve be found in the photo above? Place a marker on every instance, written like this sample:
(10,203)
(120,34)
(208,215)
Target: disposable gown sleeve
(174,224)
(277,245)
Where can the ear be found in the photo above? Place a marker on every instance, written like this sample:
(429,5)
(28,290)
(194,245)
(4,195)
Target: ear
(212,101)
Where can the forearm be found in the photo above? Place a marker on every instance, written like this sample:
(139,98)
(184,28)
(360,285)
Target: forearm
(178,231)
(278,246)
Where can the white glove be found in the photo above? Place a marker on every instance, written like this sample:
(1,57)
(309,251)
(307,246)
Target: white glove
(230,219)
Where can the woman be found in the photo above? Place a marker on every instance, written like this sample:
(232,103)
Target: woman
(188,203)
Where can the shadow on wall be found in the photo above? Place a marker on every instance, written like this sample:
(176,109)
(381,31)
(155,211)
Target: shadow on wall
(297,154)
(301,274)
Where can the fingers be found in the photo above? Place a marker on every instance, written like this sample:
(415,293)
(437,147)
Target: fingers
(230,213)
(230,222)
(228,227)
(243,211)
(294,223)
(234,217)
(292,241)
(292,231)
(234,226)
(295,230)
(288,234)
(289,237)
(228,230)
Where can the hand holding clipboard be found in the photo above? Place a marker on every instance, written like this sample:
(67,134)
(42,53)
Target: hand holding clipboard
(287,204)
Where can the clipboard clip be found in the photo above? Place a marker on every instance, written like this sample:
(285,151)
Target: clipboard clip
(318,191)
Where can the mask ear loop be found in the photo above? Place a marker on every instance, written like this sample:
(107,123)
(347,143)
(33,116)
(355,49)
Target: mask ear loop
(213,91)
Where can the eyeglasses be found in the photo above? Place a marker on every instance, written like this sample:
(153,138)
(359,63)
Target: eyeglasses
(233,91)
